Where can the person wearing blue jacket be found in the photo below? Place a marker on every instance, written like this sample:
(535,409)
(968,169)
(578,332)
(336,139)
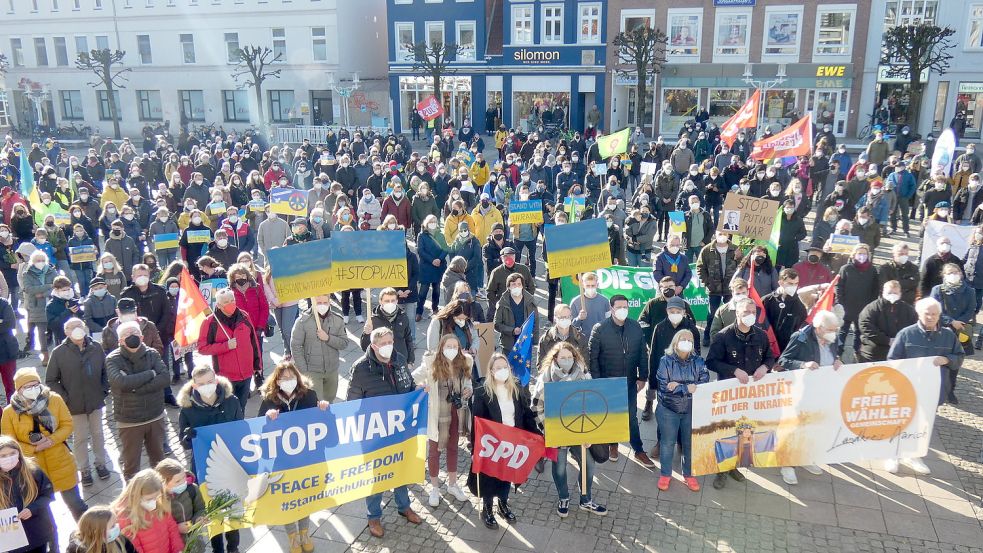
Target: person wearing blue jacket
(845,161)
(672,262)
(433,263)
(880,207)
(680,372)
(85,270)
(958,301)
(905,187)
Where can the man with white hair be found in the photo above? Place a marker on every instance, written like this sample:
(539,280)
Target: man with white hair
(137,376)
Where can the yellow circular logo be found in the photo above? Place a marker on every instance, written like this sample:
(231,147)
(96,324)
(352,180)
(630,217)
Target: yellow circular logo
(878,403)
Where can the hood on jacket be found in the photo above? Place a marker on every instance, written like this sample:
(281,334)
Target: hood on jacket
(223,390)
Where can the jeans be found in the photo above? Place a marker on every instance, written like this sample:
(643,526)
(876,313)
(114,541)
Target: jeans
(88,432)
(411,319)
(373,503)
(636,259)
(434,296)
(166,257)
(903,208)
(416,133)
(73,500)
(634,437)
(716,301)
(979,299)
(66,269)
(560,473)
(241,389)
(530,247)
(552,290)
(352,299)
(286,316)
(14,296)
(693,252)
(672,424)
(848,320)
(83,276)
(231,541)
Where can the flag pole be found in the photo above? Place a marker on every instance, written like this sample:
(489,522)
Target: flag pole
(583,469)
(317,319)
(368,303)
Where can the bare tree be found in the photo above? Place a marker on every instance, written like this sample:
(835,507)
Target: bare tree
(103,64)
(642,50)
(908,50)
(253,69)
(433,61)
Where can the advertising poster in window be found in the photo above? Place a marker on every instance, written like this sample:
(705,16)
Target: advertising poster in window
(783,34)
(732,34)
(684,35)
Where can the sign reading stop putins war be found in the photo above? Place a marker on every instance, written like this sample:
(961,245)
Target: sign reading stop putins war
(864,411)
(748,216)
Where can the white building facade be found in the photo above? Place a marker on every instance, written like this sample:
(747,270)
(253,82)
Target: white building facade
(181,56)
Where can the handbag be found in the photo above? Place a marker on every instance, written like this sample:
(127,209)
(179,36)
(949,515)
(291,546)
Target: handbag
(599,452)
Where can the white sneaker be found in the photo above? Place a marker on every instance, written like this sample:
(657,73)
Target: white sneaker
(813,469)
(360,319)
(434,498)
(891,465)
(457,492)
(345,318)
(788,475)
(916,465)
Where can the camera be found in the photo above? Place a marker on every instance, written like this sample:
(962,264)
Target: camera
(455,400)
(35,437)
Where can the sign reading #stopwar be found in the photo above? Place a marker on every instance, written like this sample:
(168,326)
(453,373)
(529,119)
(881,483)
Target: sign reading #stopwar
(310,460)
(864,411)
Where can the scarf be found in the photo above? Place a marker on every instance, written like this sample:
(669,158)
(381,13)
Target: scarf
(556,374)
(971,258)
(37,410)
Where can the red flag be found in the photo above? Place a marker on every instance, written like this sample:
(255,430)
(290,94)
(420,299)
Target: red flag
(746,117)
(505,452)
(762,316)
(191,311)
(793,141)
(429,108)
(826,301)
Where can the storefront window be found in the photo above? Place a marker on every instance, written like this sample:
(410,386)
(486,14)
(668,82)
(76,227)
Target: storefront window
(893,100)
(633,107)
(941,101)
(678,106)
(780,108)
(531,109)
(455,97)
(724,103)
(829,107)
(970,101)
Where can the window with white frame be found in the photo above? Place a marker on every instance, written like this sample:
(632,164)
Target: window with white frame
(61,51)
(102,42)
(34,6)
(40,51)
(834,30)
(97,4)
(4,116)
(232,47)
(910,12)
(81,44)
(732,33)
(405,41)
(522,24)
(783,31)
(589,23)
(148,105)
(685,35)
(105,109)
(71,105)
(143,48)
(235,106)
(634,19)
(319,43)
(974,27)
(192,105)
(17,52)
(188,48)
(281,105)
(552,24)
(279,43)
(77,5)
(54,5)
(435,33)
(465,39)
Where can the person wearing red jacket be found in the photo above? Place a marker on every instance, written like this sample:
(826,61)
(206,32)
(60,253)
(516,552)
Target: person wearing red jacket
(231,339)
(9,197)
(273,176)
(144,515)
(250,297)
(397,205)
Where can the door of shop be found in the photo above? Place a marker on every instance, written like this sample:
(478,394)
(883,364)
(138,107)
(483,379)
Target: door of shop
(830,107)
(321,108)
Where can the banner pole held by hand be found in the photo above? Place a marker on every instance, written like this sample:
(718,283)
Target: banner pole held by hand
(317,318)
(583,469)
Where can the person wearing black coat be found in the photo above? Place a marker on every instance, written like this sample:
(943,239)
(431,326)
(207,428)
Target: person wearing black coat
(783,308)
(397,320)
(501,399)
(406,297)
(901,269)
(493,247)
(856,287)
(9,349)
(662,335)
(932,273)
(881,320)
(40,526)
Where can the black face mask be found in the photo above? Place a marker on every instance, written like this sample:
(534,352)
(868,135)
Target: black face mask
(241,281)
(132,341)
(813,259)
(668,292)
(499,236)
(759,259)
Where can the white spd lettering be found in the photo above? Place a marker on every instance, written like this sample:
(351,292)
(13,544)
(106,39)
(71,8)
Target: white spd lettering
(516,455)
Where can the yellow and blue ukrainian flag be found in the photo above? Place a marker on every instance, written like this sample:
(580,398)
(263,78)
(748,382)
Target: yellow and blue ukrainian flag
(577,247)
(370,259)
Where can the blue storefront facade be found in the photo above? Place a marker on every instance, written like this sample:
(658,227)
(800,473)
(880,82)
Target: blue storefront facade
(523,62)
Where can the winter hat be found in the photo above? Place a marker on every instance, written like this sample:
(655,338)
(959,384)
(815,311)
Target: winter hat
(676,302)
(24,376)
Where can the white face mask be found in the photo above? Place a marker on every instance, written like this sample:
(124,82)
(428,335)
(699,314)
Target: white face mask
(892,297)
(749,320)
(684,346)
(621,314)
(149,504)
(142,280)
(501,375)
(830,337)
(389,308)
(790,289)
(952,279)
(222,243)
(8,464)
(196,220)
(673,249)
(450,353)
(675,318)
(39,265)
(943,213)
(460,322)
(323,308)
(288,386)
(902,259)
(516,291)
(862,220)
(32,393)
(944,248)
(78,333)
(563,324)
(590,291)
(207,390)
(386,351)
(721,239)
(432,226)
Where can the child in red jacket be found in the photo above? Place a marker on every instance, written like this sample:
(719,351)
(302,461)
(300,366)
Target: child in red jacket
(145,517)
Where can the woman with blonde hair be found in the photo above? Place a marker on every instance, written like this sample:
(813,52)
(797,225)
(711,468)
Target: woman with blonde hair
(446,376)
(501,399)
(284,391)
(25,487)
(98,532)
(111,271)
(145,517)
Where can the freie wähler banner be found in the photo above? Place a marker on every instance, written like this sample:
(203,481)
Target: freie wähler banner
(638,285)
(860,412)
(310,460)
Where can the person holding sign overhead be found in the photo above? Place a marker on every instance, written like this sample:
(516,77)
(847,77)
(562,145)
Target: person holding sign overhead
(82,260)
(193,240)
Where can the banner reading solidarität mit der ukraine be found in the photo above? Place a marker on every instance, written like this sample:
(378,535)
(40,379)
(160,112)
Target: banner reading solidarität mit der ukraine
(310,460)
(860,412)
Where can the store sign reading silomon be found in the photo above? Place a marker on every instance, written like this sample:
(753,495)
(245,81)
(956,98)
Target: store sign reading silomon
(536,57)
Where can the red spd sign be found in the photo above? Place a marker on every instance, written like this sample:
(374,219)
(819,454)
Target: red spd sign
(429,108)
(504,452)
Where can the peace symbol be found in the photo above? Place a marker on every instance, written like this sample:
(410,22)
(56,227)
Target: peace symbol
(574,416)
(297,201)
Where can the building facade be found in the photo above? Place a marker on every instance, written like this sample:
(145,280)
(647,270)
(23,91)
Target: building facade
(808,54)
(181,57)
(518,60)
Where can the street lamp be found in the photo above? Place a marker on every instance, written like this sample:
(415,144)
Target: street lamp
(764,85)
(344,91)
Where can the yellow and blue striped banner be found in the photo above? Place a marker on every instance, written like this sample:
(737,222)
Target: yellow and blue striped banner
(302,270)
(586,412)
(166,241)
(369,259)
(525,212)
(310,460)
(288,201)
(577,247)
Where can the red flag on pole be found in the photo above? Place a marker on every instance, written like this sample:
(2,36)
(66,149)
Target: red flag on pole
(762,316)
(191,311)
(826,301)
(746,117)
(429,108)
(505,452)
(793,141)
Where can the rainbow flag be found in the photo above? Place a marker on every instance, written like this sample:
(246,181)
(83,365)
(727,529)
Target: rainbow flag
(586,412)
(302,270)
(288,201)
(525,211)
(577,247)
(369,259)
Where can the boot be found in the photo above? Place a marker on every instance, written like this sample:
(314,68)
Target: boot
(503,509)
(306,543)
(487,516)
(294,542)
(647,412)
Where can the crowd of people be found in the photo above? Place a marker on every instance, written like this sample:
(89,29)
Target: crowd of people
(104,330)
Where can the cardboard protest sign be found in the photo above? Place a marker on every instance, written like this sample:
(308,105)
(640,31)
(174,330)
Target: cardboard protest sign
(525,211)
(842,243)
(487,340)
(748,216)
(82,254)
(12,534)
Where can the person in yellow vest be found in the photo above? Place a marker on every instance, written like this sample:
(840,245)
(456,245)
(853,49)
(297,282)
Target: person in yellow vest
(113,192)
(479,171)
(485,215)
(458,215)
